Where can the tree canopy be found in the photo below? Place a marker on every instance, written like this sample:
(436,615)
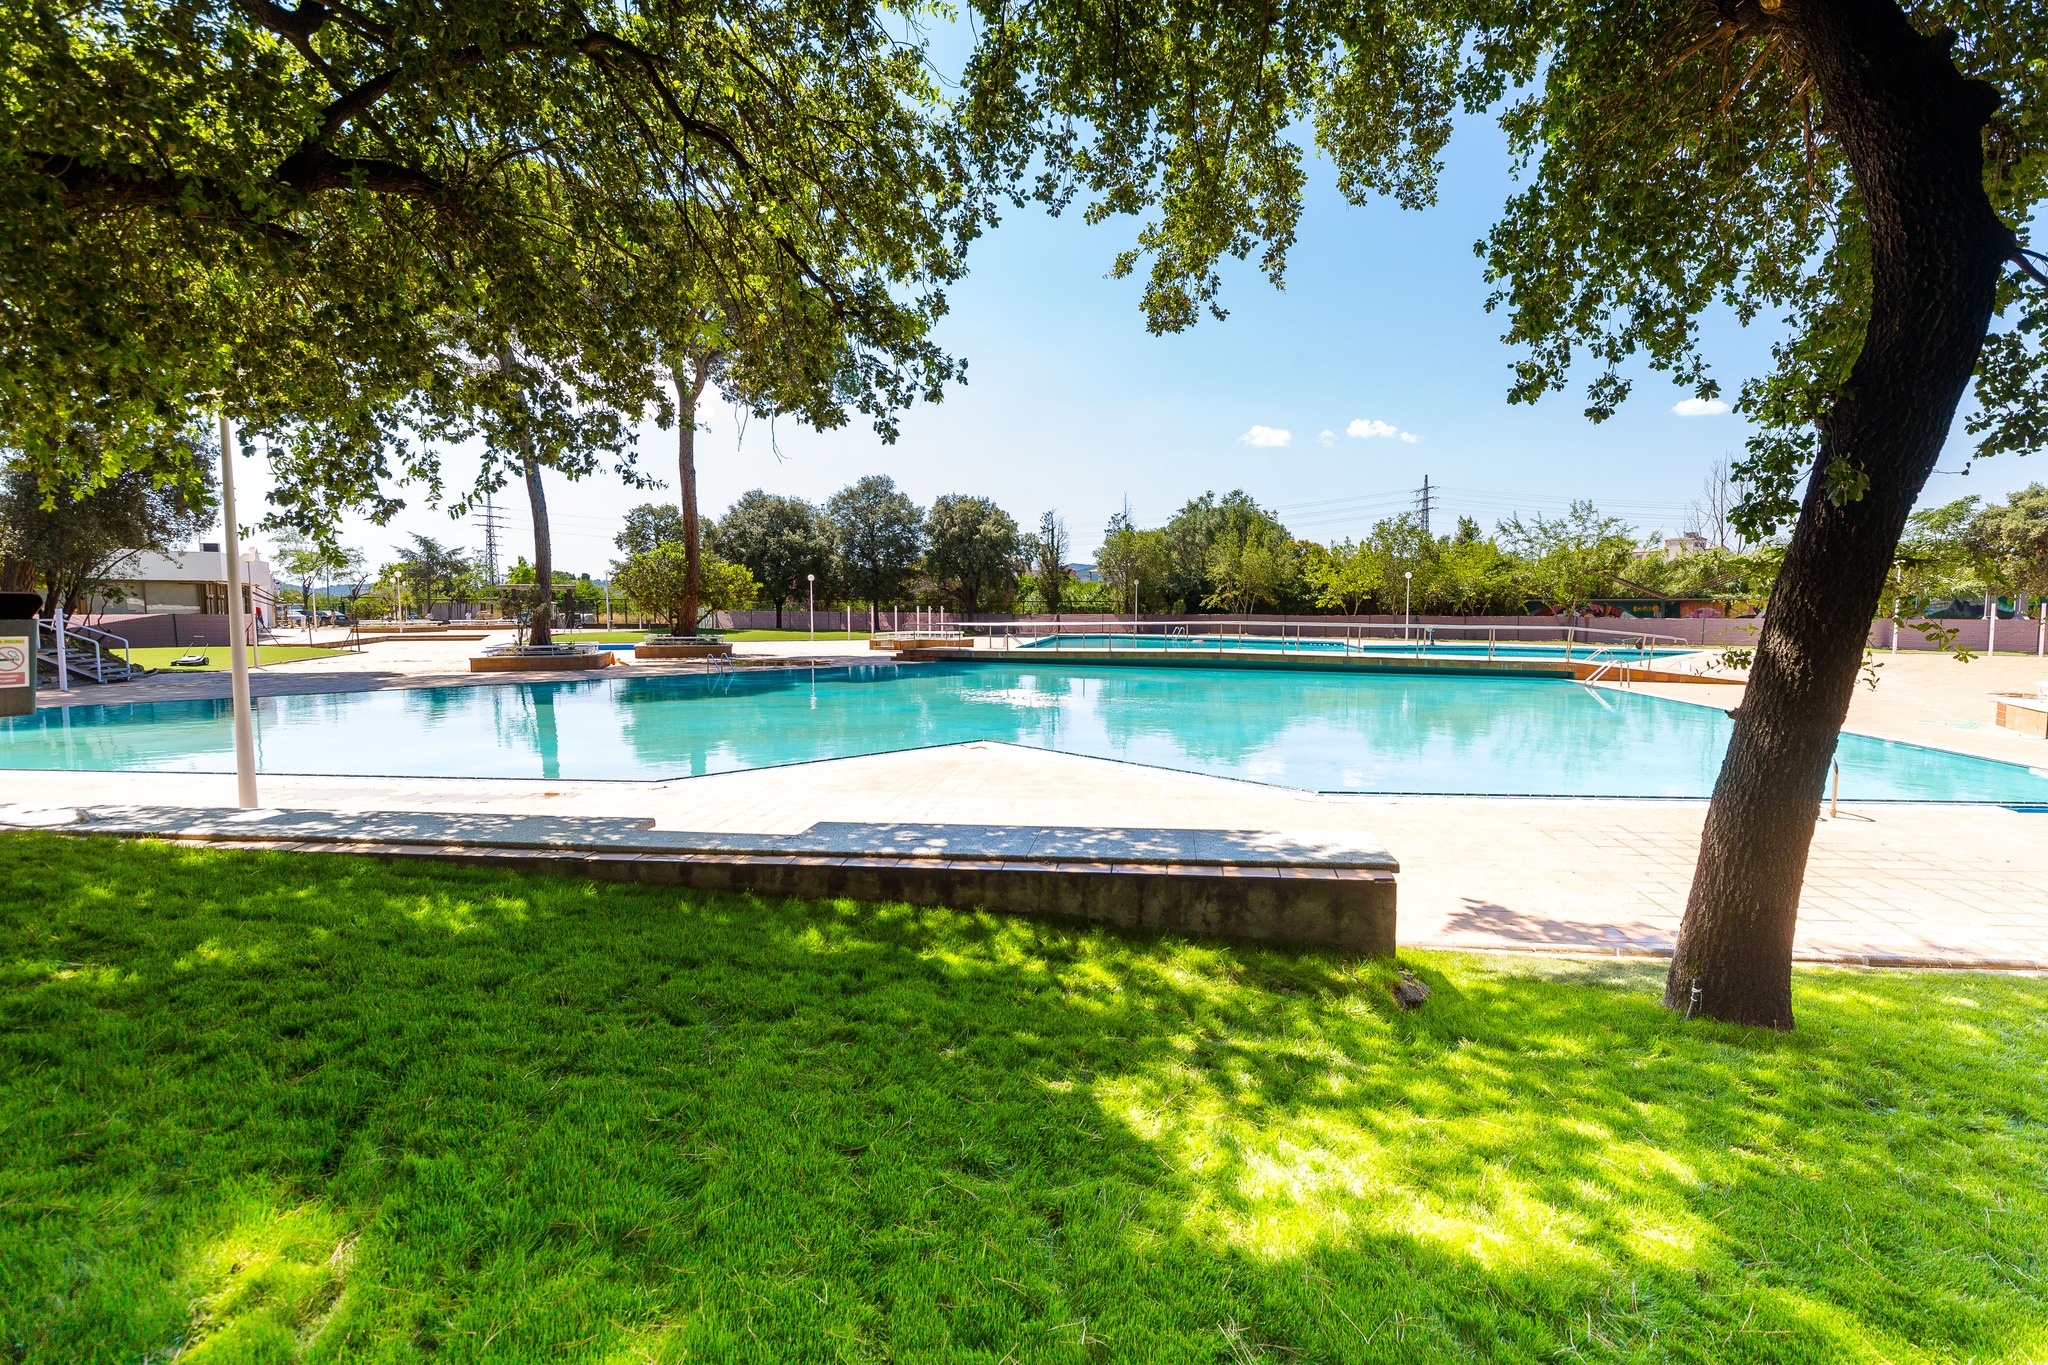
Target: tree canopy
(880,535)
(973,549)
(783,542)
(352,211)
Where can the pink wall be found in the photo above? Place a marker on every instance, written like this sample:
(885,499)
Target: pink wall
(156,630)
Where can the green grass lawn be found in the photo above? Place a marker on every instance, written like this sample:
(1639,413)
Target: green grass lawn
(217,656)
(273,1107)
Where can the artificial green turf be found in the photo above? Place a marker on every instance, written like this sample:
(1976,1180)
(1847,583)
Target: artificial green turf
(217,656)
(275,1106)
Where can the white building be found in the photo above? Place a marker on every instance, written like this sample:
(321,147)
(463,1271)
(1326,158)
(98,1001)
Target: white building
(187,582)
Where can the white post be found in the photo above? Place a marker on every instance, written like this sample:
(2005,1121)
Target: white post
(811,596)
(1991,621)
(238,654)
(1407,601)
(2041,635)
(63,646)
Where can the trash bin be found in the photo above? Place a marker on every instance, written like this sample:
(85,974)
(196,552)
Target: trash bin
(18,652)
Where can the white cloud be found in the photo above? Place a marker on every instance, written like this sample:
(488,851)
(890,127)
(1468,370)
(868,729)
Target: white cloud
(1699,407)
(1327,439)
(1266,436)
(1366,429)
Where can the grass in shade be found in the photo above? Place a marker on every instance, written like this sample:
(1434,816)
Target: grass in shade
(267,1107)
(217,656)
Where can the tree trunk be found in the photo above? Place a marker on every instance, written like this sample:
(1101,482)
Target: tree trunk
(542,630)
(1910,126)
(689,390)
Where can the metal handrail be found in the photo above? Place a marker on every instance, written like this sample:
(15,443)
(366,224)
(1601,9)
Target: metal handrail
(91,635)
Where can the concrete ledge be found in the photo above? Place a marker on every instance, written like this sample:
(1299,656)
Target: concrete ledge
(1350,910)
(537,663)
(2027,715)
(1306,888)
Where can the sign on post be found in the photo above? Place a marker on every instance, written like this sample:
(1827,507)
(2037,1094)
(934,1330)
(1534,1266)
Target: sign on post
(17,657)
(18,652)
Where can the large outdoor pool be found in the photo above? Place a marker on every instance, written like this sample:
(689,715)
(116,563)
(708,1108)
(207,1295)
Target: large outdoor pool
(1314,730)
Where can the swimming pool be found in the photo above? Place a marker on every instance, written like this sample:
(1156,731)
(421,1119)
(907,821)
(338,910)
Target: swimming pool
(1419,644)
(1320,731)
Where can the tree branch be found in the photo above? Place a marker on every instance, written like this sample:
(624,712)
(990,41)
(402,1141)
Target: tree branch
(300,24)
(313,168)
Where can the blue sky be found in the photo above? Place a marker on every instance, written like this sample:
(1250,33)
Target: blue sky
(1071,405)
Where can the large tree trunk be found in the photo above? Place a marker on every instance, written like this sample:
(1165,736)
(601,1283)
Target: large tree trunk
(542,630)
(1910,126)
(689,390)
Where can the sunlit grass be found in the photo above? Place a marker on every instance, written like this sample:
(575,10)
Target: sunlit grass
(267,1107)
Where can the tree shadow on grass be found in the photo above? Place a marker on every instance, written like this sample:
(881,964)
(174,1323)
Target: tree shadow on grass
(561,1120)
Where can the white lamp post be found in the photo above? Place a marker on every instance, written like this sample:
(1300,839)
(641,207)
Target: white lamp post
(238,653)
(1407,601)
(811,594)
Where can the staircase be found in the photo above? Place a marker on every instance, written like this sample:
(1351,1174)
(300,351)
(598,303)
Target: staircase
(89,654)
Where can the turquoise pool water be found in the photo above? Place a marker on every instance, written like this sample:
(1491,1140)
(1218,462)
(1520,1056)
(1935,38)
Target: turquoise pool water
(1377,644)
(1315,730)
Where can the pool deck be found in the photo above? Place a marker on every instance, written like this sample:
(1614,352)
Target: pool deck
(1887,884)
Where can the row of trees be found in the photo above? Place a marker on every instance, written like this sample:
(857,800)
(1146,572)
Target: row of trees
(870,543)
(1971,550)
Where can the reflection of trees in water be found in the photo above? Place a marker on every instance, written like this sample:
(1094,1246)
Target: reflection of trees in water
(521,716)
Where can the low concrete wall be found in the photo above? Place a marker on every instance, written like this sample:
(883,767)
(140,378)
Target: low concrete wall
(1350,910)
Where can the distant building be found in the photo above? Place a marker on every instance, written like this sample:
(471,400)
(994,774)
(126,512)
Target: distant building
(1676,547)
(186,582)
(1084,573)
